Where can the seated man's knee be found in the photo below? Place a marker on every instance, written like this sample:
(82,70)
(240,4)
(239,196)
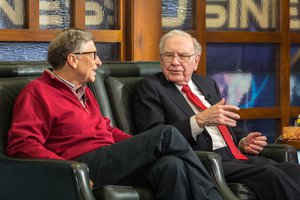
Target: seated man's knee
(271,172)
(166,128)
(171,164)
(172,131)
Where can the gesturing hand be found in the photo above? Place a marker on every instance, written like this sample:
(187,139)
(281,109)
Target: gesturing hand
(254,143)
(91,184)
(218,114)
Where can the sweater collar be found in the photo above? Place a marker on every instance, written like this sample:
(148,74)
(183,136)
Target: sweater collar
(67,83)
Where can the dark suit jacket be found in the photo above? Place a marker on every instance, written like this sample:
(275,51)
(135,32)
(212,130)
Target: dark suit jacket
(158,102)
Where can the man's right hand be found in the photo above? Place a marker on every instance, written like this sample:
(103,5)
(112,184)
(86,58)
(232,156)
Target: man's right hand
(91,184)
(218,114)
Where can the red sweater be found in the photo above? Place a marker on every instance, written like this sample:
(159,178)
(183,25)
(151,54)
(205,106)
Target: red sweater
(50,122)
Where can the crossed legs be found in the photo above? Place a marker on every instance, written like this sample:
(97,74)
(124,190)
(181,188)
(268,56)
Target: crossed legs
(160,158)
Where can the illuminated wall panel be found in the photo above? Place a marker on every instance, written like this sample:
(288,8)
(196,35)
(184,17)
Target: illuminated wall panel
(295,15)
(265,126)
(295,75)
(55,14)
(12,14)
(245,73)
(108,51)
(23,51)
(31,51)
(177,14)
(101,14)
(226,15)
(241,15)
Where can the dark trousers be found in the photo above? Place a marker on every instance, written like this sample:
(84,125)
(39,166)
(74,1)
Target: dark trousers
(268,179)
(160,159)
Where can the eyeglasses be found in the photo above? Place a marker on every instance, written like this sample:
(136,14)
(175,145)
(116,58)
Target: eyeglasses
(88,52)
(169,57)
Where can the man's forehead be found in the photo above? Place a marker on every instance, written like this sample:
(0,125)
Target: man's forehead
(89,45)
(179,38)
(181,44)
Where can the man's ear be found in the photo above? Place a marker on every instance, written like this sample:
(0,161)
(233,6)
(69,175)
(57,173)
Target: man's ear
(196,61)
(197,58)
(161,62)
(72,60)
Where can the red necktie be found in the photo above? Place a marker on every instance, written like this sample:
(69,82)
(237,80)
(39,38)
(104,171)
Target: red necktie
(222,128)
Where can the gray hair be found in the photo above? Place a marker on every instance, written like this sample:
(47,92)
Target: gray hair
(66,42)
(197,45)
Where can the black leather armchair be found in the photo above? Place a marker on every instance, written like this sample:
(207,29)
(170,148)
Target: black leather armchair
(37,179)
(115,86)
(34,179)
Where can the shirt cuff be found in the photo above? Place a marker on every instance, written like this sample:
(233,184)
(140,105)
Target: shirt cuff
(196,130)
(241,144)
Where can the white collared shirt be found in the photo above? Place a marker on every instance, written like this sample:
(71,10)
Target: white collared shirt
(218,141)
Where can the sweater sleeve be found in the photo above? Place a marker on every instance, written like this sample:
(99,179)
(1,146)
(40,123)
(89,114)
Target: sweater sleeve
(29,129)
(118,135)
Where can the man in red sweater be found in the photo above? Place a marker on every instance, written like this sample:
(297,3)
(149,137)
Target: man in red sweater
(57,117)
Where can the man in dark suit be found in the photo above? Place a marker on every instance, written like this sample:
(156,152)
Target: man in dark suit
(169,98)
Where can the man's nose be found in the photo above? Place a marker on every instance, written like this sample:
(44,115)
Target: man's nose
(98,61)
(175,59)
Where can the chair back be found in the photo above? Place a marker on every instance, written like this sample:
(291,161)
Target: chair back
(114,89)
(13,78)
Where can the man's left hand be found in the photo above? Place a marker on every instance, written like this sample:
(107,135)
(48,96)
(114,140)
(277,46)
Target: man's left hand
(254,143)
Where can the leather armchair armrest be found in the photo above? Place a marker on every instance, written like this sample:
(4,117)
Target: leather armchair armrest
(280,153)
(212,163)
(37,179)
(118,192)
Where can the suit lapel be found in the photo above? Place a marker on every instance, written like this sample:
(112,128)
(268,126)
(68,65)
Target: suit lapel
(176,96)
(205,90)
